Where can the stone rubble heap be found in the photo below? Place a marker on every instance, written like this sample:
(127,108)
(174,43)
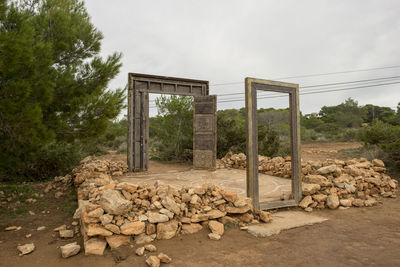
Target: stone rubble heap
(111,212)
(329,183)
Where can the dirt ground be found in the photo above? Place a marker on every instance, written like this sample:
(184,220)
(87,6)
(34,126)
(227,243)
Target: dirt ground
(352,237)
(324,150)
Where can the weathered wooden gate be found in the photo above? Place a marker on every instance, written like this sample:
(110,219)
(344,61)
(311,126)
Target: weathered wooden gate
(204,130)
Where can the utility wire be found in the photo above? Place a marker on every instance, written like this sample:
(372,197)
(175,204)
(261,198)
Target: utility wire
(316,75)
(317,92)
(308,93)
(332,85)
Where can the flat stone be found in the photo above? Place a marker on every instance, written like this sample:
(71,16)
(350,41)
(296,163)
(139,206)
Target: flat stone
(199,218)
(284,220)
(143,238)
(191,228)
(155,217)
(216,227)
(66,233)
(95,246)
(95,229)
(41,228)
(26,249)
(62,227)
(113,228)
(133,228)
(215,214)
(115,241)
(70,250)
(240,210)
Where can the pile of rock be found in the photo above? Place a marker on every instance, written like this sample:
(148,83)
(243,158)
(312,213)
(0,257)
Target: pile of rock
(329,183)
(112,213)
(276,166)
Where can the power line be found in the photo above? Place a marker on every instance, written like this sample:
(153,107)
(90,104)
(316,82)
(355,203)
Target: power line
(323,85)
(315,75)
(317,92)
(309,92)
(330,84)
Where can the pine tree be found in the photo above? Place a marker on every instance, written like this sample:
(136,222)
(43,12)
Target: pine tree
(53,82)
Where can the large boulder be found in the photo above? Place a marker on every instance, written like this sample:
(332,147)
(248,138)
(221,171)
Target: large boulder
(114,203)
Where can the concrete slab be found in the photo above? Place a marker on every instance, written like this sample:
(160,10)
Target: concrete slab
(284,220)
(271,188)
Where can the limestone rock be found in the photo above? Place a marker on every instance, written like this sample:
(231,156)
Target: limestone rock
(265,216)
(164,258)
(66,233)
(155,217)
(199,218)
(310,189)
(191,228)
(358,202)
(230,196)
(332,201)
(96,213)
(106,219)
(150,247)
(327,169)
(115,241)
(216,227)
(171,205)
(62,227)
(95,246)
(26,249)
(346,202)
(113,228)
(70,250)
(320,197)
(215,214)
(167,230)
(305,202)
(133,228)
(214,236)
(95,229)
(140,251)
(143,239)
(378,163)
(317,179)
(235,210)
(114,203)
(153,261)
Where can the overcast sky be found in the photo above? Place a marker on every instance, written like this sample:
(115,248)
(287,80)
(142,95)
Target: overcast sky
(226,41)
